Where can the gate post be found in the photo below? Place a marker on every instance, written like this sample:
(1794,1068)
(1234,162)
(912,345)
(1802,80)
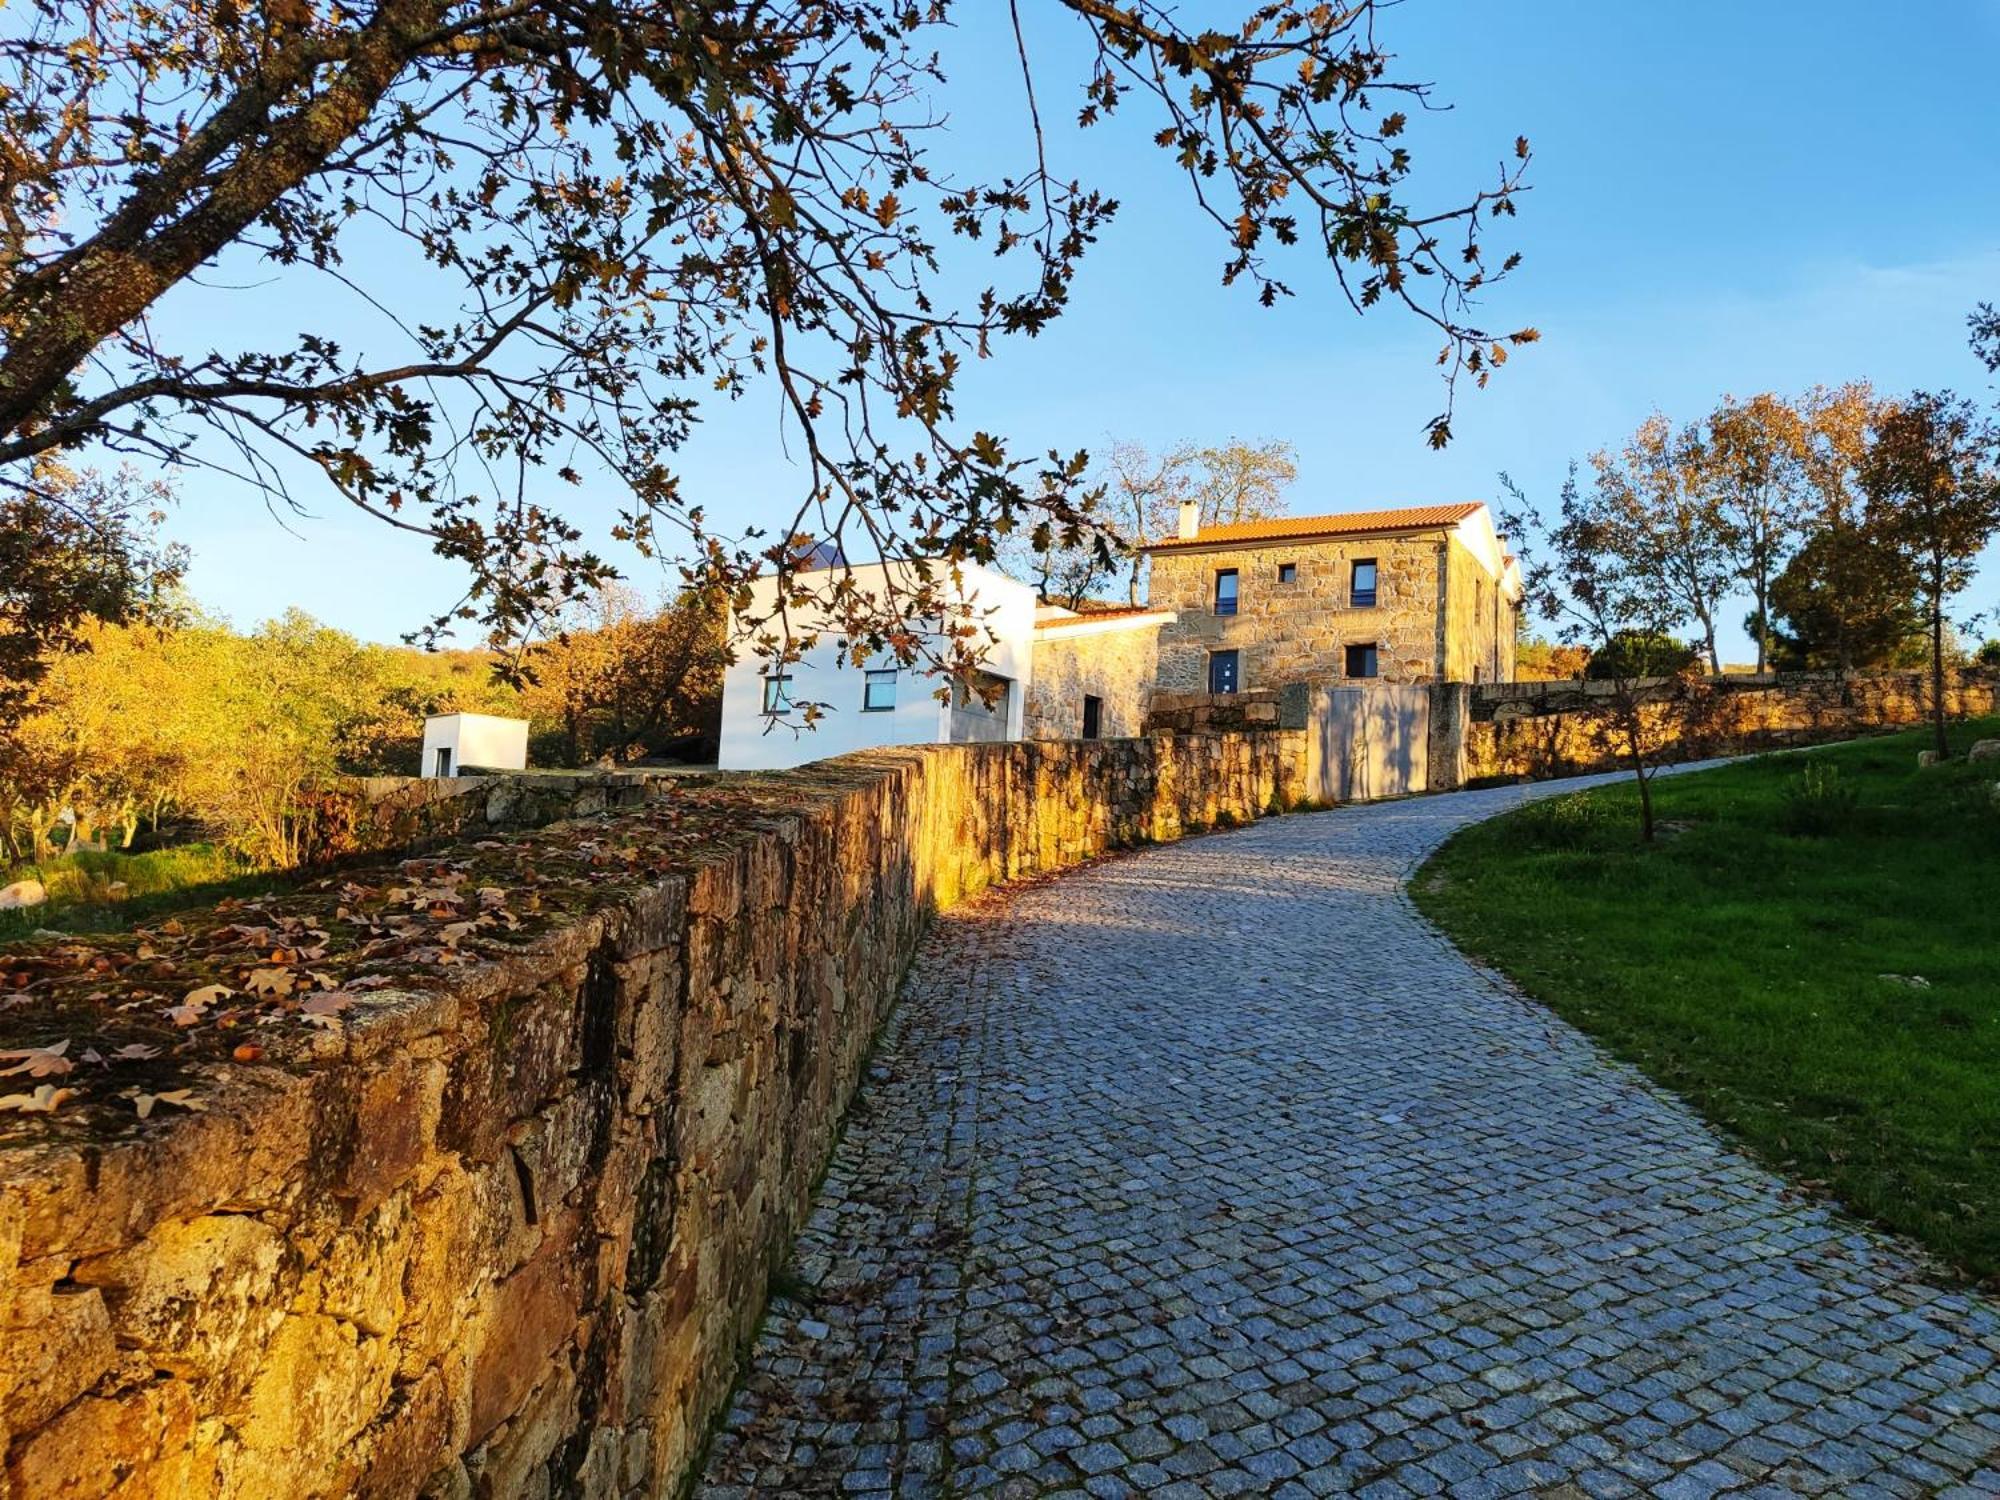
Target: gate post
(1451,713)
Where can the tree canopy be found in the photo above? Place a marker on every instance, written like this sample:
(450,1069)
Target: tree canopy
(597,217)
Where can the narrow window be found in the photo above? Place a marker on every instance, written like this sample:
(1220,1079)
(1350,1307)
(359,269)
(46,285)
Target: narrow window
(1222,671)
(1288,572)
(1361,661)
(443,761)
(1093,716)
(1361,587)
(777,695)
(1225,591)
(878,692)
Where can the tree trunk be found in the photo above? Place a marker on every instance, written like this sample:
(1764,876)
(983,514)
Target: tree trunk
(1937,673)
(1707,622)
(1763,621)
(1635,746)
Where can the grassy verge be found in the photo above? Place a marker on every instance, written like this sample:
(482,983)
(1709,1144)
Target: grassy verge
(82,898)
(1811,956)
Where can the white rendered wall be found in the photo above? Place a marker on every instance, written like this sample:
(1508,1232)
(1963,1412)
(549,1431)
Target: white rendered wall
(1006,610)
(484,740)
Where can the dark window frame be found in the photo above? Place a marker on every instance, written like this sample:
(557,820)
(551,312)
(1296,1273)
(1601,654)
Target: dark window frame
(1234,674)
(869,680)
(1373,660)
(1093,716)
(1228,606)
(1288,572)
(777,693)
(1357,596)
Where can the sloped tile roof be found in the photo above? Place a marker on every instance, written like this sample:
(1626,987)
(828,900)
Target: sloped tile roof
(1299,528)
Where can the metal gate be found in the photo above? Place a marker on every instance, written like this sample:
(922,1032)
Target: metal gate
(1371,742)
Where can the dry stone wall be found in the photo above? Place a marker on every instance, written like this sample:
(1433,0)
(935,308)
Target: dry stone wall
(506,1235)
(1543,729)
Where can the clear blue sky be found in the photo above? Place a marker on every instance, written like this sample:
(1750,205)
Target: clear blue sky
(1726,198)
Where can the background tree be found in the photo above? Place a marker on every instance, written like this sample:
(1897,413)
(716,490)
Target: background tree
(1848,574)
(1640,654)
(1846,599)
(1538,659)
(595,217)
(1651,508)
(1581,571)
(1238,481)
(624,680)
(75,548)
(1064,573)
(1754,466)
(1929,472)
(1145,492)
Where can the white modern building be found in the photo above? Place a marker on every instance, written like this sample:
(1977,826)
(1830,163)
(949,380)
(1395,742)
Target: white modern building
(454,741)
(877,702)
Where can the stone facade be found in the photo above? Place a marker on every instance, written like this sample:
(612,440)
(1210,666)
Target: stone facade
(1536,730)
(1434,617)
(1115,663)
(507,1234)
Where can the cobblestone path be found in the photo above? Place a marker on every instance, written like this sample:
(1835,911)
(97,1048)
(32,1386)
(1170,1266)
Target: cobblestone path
(1214,1170)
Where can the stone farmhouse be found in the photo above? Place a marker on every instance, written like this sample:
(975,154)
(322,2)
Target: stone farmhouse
(1403,597)
(1417,595)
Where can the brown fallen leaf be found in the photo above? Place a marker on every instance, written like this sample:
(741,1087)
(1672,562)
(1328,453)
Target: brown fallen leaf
(182,1098)
(271,982)
(38,1062)
(45,1100)
(324,1009)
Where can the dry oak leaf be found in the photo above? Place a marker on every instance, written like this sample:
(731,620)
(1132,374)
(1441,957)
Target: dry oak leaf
(44,1101)
(195,1003)
(184,1098)
(324,1009)
(38,1062)
(271,982)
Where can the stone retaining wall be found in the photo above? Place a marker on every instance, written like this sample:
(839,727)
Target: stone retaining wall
(1544,729)
(506,1235)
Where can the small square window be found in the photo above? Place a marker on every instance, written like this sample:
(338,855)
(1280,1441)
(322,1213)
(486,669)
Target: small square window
(1361,661)
(1288,572)
(1361,586)
(1225,591)
(878,692)
(777,695)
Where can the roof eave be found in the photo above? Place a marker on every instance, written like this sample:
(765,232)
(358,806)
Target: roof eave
(1240,544)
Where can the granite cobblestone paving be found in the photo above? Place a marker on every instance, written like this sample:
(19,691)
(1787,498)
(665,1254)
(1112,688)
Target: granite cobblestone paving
(1214,1170)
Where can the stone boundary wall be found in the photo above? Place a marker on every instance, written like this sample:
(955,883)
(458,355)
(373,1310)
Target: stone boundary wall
(507,1235)
(383,814)
(1539,730)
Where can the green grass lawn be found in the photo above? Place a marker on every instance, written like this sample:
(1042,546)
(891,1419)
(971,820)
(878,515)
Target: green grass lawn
(1740,962)
(159,881)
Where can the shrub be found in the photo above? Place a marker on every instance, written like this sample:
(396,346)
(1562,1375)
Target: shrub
(1636,653)
(1818,802)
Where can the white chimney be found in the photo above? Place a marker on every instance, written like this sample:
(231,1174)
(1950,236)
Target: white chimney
(1190,520)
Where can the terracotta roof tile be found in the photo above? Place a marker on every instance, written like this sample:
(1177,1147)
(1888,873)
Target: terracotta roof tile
(1350,523)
